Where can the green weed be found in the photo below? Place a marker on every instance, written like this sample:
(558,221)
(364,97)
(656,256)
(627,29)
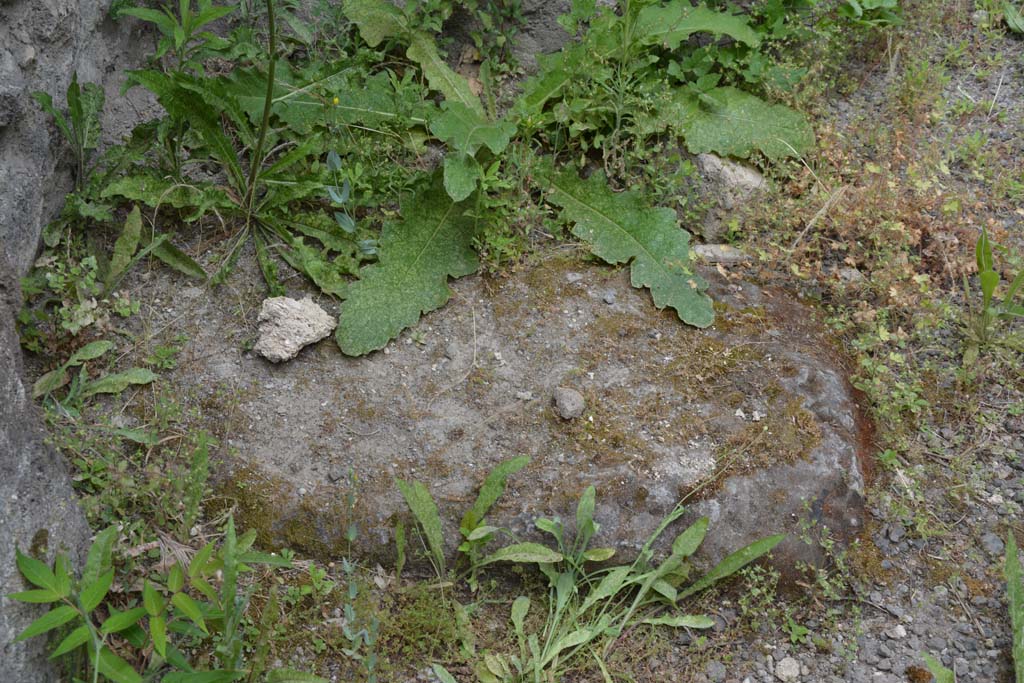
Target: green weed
(981,323)
(178,611)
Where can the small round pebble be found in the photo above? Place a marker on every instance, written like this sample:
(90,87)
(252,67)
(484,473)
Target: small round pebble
(569,403)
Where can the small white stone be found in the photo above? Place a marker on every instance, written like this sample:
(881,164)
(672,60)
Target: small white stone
(788,669)
(288,325)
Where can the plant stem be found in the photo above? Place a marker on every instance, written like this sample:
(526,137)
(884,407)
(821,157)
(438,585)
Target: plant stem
(256,161)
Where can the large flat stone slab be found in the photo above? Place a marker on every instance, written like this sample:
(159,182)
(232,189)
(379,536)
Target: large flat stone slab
(752,418)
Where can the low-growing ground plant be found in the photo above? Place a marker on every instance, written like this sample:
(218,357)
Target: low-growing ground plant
(588,607)
(984,317)
(184,609)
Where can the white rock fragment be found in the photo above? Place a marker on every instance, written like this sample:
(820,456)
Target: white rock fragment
(720,253)
(787,669)
(288,325)
(732,184)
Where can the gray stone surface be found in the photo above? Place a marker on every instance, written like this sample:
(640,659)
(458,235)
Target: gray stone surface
(569,403)
(37,506)
(752,418)
(42,43)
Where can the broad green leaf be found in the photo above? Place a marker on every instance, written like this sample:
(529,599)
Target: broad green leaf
(433,242)
(621,228)
(178,260)
(292,676)
(523,553)
(125,246)
(424,509)
(203,119)
(85,105)
(77,638)
(94,591)
(989,281)
(151,599)
(118,382)
(190,609)
(98,559)
(1013,17)
(329,275)
(154,192)
(162,21)
(481,532)
(39,596)
(461,173)
(58,616)
(90,351)
(37,573)
(599,554)
(983,252)
(520,607)
(202,677)
(158,632)
(585,514)
(683,621)
(733,563)
(441,78)
(210,15)
(62,572)
(197,567)
(45,102)
(1015,597)
(122,620)
(491,490)
(377,20)
(537,91)
(664,589)
(466,130)
(686,543)
(175,578)
(442,674)
(671,24)
(576,638)
(50,382)
(115,668)
(742,124)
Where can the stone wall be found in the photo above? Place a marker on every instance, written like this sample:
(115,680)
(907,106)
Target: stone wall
(42,43)
(38,511)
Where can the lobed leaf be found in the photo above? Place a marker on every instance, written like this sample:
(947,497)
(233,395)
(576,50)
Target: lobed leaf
(466,130)
(118,382)
(741,124)
(671,24)
(125,246)
(433,242)
(620,228)
(439,75)
(377,20)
